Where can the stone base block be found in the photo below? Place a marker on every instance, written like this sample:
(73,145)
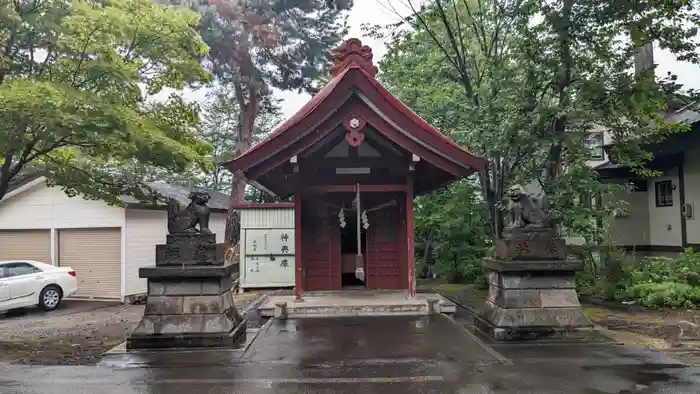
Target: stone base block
(191,238)
(520,280)
(535,318)
(189,304)
(181,320)
(531,249)
(529,233)
(187,271)
(196,324)
(533,265)
(522,324)
(531,299)
(174,339)
(189,254)
(501,334)
(184,287)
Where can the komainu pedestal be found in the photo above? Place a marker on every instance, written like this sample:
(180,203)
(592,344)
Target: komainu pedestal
(189,303)
(189,297)
(532,288)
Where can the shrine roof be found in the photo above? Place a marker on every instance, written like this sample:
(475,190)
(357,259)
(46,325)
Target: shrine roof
(354,74)
(306,110)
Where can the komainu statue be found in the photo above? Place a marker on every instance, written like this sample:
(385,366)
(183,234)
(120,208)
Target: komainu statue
(195,213)
(527,211)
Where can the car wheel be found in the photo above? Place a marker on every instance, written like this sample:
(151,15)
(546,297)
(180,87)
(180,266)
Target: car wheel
(50,298)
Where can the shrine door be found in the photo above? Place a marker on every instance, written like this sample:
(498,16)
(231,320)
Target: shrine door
(321,246)
(386,246)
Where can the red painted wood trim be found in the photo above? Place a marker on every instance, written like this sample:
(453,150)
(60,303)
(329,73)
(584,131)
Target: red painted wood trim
(263,205)
(331,98)
(290,131)
(411,254)
(351,188)
(298,246)
(403,244)
(307,141)
(412,146)
(378,123)
(411,122)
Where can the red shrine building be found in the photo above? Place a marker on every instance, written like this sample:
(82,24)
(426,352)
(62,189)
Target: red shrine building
(354,158)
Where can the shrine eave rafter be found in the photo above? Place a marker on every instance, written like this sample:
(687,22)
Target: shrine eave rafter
(351,85)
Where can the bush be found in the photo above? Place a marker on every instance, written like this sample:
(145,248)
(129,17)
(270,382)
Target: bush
(665,294)
(452,233)
(605,276)
(651,282)
(463,271)
(683,269)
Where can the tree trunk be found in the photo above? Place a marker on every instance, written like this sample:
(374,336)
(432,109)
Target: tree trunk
(489,197)
(563,80)
(7,173)
(246,125)
(4,187)
(427,242)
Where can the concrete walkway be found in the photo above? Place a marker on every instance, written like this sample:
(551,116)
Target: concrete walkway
(427,354)
(350,303)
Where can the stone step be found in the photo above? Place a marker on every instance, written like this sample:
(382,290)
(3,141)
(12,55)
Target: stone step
(301,310)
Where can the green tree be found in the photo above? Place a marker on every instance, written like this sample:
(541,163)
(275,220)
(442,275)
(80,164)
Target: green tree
(71,101)
(257,46)
(219,127)
(452,228)
(222,131)
(524,82)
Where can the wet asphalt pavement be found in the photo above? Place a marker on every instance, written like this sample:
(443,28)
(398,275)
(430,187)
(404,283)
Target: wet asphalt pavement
(373,355)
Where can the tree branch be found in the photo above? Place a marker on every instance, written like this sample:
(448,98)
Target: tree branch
(82,55)
(461,64)
(424,23)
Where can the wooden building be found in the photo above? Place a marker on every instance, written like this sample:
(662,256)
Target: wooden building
(354,139)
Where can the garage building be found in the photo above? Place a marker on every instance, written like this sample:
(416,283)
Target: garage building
(106,245)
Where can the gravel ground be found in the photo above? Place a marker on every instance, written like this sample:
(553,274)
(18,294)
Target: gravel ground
(77,333)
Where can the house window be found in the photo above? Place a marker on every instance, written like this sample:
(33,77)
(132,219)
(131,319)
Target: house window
(594,144)
(639,185)
(664,194)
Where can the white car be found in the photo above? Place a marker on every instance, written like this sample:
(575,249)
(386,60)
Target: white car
(27,283)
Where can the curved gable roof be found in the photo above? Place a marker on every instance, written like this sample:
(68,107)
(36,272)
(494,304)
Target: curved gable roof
(354,74)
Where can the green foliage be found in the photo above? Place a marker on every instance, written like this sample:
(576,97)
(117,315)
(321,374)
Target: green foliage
(651,282)
(606,271)
(452,233)
(659,269)
(219,127)
(71,99)
(271,43)
(666,294)
(256,46)
(524,83)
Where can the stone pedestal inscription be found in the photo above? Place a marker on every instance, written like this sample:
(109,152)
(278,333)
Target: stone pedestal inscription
(531,287)
(189,296)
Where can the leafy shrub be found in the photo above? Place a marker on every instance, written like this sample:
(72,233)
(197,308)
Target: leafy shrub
(603,276)
(452,233)
(683,269)
(651,282)
(665,294)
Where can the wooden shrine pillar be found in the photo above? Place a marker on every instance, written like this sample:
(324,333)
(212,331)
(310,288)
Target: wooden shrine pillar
(298,255)
(410,253)
(298,244)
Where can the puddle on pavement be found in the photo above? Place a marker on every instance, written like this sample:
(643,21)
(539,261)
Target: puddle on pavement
(642,375)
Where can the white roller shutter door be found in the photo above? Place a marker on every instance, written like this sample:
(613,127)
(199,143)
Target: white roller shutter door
(95,255)
(26,245)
